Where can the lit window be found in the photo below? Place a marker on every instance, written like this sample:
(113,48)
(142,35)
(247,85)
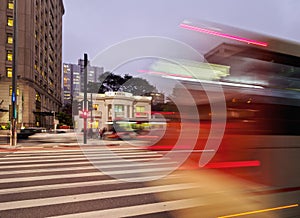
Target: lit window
(9,39)
(10,4)
(9,55)
(96,107)
(9,72)
(140,109)
(10,90)
(10,21)
(38,97)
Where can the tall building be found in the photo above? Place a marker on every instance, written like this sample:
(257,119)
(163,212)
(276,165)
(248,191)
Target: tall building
(38,60)
(93,73)
(74,76)
(71,80)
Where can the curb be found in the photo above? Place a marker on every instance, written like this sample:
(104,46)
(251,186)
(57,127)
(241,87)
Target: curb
(8,147)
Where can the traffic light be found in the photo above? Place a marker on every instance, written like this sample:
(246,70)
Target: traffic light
(80,105)
(90,106)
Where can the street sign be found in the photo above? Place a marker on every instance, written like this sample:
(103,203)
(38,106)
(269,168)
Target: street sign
(83,114)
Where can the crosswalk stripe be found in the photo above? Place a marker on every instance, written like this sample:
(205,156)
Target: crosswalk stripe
(84,168)
(93,196)
(22,166)
(55,169)
(70,155)
(59,186)
(37,177)
(72,150)
(98,173)
(139,209)
(142,165)
(58,153)
(72,185)
(83,158)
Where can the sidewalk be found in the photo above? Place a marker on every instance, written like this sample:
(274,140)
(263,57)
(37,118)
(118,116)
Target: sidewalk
(5,141)
(63,140)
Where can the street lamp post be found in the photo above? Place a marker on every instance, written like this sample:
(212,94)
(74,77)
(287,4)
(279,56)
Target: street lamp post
(85,102)
(13,123)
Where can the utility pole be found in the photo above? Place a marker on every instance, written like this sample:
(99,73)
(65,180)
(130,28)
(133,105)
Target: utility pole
(85,102)
(14,115)
(91,108)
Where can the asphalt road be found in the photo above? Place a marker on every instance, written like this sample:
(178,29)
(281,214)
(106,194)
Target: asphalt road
(39,180)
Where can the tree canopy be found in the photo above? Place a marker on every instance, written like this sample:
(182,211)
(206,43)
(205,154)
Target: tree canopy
(112,82)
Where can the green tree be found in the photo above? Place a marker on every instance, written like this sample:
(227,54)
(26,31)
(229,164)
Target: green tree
(112,82)
(65,116)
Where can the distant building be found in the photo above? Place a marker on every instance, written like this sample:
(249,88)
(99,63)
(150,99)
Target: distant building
(73,79)
(93,73)
(113,106)
(39,59)
(71,82)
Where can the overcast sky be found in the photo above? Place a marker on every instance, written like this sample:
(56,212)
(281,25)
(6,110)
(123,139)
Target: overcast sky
(93,25)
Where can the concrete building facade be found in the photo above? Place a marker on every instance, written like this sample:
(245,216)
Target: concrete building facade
(38,60)
(114,106)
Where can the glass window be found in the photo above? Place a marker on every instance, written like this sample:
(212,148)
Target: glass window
(9,72)
(10,90)
(9,39)
(10,21)
(140,109)
(119,108)
(10,4)
(37,97)
(9,55)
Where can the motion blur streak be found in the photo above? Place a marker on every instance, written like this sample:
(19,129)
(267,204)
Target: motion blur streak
(252,163)
(163,73)
(260,211)
(237,38)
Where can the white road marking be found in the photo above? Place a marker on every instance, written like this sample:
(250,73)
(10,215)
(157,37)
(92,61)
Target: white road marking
(20,166)
(79,152)
(83,158)
(72,155)
(72,150)
(93,196)
(66,169)
(139,209)
(120,172)
(71,185)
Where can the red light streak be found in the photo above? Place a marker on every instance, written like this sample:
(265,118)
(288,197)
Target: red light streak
(163,112)
(233,164)
(224,35)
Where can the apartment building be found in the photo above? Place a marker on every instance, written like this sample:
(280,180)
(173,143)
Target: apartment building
(38,60)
